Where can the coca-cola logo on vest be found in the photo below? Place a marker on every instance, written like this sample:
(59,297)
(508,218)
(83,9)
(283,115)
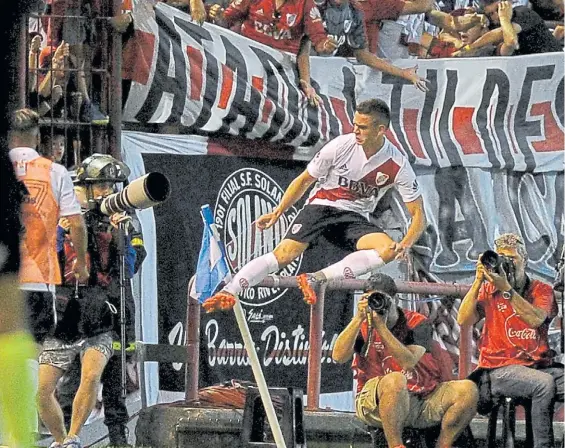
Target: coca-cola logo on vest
(244,196)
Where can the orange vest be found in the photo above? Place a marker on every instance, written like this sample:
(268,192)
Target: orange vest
(40,212)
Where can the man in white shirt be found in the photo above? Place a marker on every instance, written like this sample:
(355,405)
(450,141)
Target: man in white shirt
(352,173)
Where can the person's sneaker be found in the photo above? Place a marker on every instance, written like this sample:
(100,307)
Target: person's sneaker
(72,442)
(221,301)
(91,114)
(307,284)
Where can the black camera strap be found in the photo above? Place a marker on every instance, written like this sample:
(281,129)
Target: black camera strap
(370,335)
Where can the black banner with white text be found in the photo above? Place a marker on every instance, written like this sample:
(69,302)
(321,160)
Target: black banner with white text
(240,190)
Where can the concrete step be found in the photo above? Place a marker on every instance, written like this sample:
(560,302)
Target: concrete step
(176,425)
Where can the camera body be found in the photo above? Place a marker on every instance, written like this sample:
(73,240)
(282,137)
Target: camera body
(499,264)
(379,302)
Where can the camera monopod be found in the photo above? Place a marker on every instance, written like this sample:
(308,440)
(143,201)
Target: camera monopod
(122,236)
(147,191)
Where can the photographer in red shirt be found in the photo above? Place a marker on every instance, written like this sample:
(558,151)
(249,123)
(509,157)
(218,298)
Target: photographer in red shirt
(514,349)
(398,380)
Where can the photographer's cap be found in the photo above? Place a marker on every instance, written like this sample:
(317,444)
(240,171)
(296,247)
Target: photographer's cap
(383,283)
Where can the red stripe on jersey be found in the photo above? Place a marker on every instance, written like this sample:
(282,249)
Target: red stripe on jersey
(390,168)
(335,194)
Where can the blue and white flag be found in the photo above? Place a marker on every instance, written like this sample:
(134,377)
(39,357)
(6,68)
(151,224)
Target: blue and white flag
(212,266)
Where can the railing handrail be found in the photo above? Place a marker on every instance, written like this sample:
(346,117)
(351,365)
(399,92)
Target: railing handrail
(316,326)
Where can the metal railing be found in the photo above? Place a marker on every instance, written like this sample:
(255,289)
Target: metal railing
(316,327)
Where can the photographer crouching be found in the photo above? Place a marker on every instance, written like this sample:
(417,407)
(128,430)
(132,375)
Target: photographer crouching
(90,313)
(515,357)
(398,380)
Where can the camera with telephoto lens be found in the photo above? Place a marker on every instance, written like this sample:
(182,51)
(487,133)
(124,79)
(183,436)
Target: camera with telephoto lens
(144,192)
(379,302)
(499,264)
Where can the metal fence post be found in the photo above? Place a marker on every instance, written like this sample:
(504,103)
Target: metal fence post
(465,347)
(192,346)
(315,350)
(115,106)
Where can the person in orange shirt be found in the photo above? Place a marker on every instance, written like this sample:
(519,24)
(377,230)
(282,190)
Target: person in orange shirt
(49,196)
(514,348)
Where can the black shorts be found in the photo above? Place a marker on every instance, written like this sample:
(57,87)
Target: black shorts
(341,227)
(41,314)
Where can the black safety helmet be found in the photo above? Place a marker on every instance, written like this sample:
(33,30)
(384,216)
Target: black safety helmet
(101,168)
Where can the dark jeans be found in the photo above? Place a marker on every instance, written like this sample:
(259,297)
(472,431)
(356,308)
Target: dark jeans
(115,410)
(543,386)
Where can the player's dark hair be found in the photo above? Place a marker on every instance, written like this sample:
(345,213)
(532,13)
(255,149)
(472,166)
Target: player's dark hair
(377,109)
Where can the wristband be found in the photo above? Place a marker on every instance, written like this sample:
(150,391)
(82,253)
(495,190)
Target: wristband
(467,48)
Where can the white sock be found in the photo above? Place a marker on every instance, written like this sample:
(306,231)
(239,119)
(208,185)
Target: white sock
(353,265)
(252,273)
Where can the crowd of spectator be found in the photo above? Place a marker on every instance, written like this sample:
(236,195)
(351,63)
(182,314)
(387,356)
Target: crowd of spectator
(64,40)
(377,32)
(67,68)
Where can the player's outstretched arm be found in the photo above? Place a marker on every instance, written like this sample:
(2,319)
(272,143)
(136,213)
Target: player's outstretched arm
(416,227)
(293,193)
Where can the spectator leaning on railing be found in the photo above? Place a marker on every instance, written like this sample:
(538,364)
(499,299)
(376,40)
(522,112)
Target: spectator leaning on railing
(519,30)
(71,23)
(283,25)
(379,15)
(46,76)
(344,23)
(458,29)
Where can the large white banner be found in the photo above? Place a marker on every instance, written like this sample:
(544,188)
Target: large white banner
(486,113)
